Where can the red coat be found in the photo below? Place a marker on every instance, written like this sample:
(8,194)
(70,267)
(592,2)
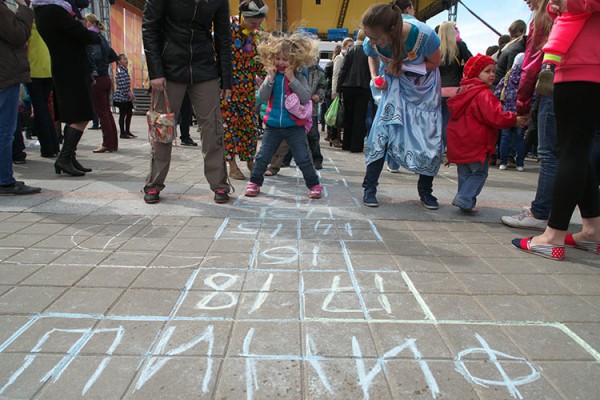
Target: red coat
(475,117)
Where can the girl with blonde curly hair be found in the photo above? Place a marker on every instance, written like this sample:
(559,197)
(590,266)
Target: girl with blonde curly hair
(289,110)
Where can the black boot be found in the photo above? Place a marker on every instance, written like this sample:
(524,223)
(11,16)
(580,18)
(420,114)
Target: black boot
(78,134)
(64,162)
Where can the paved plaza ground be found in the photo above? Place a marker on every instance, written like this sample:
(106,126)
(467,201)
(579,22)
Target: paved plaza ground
(103,296)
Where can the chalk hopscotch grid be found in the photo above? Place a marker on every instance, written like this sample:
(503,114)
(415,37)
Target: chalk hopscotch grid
(157,346)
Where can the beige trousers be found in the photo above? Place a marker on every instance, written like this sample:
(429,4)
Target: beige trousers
(206,100)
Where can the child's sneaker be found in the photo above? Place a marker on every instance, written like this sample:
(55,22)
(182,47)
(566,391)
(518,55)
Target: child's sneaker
(252,189)
(502,167)
(315,192)
(545,83)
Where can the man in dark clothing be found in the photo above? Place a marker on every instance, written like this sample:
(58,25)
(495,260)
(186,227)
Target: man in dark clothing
(353,83)
(15,29)
(183,56)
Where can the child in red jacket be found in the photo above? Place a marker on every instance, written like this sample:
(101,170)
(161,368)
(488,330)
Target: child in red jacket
(475,117)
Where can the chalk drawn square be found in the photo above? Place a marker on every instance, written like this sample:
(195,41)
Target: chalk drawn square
(317,261)
(219,280)
(278,234)
(146,302)
(407,380)
(280,281)
(338,379)
(393,306)
(268,305)
(215,336)
(381,281)
(324,246)
(336,339)
(341,305)
(426,337)
(136,340)
(226,261)
(244,378)
(219,305)
(180,378)
(325,231)
(265,338)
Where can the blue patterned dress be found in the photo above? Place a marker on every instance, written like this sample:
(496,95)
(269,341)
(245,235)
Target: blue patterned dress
(408,123)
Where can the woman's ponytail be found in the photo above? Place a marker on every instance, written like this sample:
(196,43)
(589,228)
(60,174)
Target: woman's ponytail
(397,41)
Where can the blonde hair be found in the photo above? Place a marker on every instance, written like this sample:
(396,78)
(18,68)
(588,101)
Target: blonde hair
(448,46)
(92,19)
(301,50)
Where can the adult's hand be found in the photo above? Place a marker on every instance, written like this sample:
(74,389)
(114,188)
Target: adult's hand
(225,93)
(558,6)
(159,84)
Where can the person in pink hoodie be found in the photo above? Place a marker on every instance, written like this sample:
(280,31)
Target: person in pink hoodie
(576,94)
(566,28)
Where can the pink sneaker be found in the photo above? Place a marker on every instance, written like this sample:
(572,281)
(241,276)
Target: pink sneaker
(315,192)
(252,189)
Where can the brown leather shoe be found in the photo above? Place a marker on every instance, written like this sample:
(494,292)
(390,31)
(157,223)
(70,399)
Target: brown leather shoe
(235,173)
(103,149)
(336,143)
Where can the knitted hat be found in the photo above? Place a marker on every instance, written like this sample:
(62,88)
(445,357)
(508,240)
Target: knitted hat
(475,65)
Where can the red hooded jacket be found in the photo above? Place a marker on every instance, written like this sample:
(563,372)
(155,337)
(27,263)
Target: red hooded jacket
(475,117)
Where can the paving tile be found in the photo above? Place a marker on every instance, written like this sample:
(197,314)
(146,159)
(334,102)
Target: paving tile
(264,281)
(14,227)
(408,341)
(109,277)
(322,261)
(21,240)
(28,299)
(272,379)
(455,307)
(55,242)
(376,262)
(538,284)
(217,305)
(583,285)
(82,257)
(57,275)
(408,248)
(15,273)
(86,300)
(258,339)
(485,283)
(130,259)
(162,279)
(419,264)
(547,344)
(567,308)
(509,307)
(146,302)
(10,324)
(576,380)
(27,383)
(426,282)
(181,259)
(332,306)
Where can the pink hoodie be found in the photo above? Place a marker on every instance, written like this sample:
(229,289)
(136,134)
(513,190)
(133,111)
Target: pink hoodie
(582,61)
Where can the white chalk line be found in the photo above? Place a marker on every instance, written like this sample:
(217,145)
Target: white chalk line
(417,296)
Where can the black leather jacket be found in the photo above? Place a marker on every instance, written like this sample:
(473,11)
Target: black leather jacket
(179,44)
(355,70)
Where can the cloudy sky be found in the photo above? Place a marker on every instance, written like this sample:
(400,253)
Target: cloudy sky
(498,13)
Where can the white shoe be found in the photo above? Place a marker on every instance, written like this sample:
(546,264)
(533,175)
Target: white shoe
(502,167)
(393,171)
(525,220)
(520,169)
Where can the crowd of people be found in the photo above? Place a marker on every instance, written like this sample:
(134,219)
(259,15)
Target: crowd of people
(402,92)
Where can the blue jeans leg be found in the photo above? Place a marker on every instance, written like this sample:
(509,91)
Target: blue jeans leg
(471,178)
(296,138)
(271,140)
(9,108)
(520,145)
(542,204)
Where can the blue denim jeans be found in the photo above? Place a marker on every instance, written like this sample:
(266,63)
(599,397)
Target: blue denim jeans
(471,178)
(296,139)
(508,137)
(542,204)
(9,109)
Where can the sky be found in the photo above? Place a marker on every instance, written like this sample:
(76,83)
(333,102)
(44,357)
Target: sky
(498,13)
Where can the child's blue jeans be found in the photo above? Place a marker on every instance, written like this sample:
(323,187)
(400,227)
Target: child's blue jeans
(296,139)
(471,178)
(509,137)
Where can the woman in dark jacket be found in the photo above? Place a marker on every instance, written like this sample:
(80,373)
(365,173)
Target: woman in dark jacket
(67,39)
(453,56)
(101,56)
(509,52)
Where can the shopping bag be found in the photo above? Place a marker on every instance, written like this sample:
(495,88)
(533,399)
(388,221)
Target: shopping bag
(161,126)
(332,112)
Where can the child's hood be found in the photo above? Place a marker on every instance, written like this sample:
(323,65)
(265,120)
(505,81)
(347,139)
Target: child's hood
(469,88)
